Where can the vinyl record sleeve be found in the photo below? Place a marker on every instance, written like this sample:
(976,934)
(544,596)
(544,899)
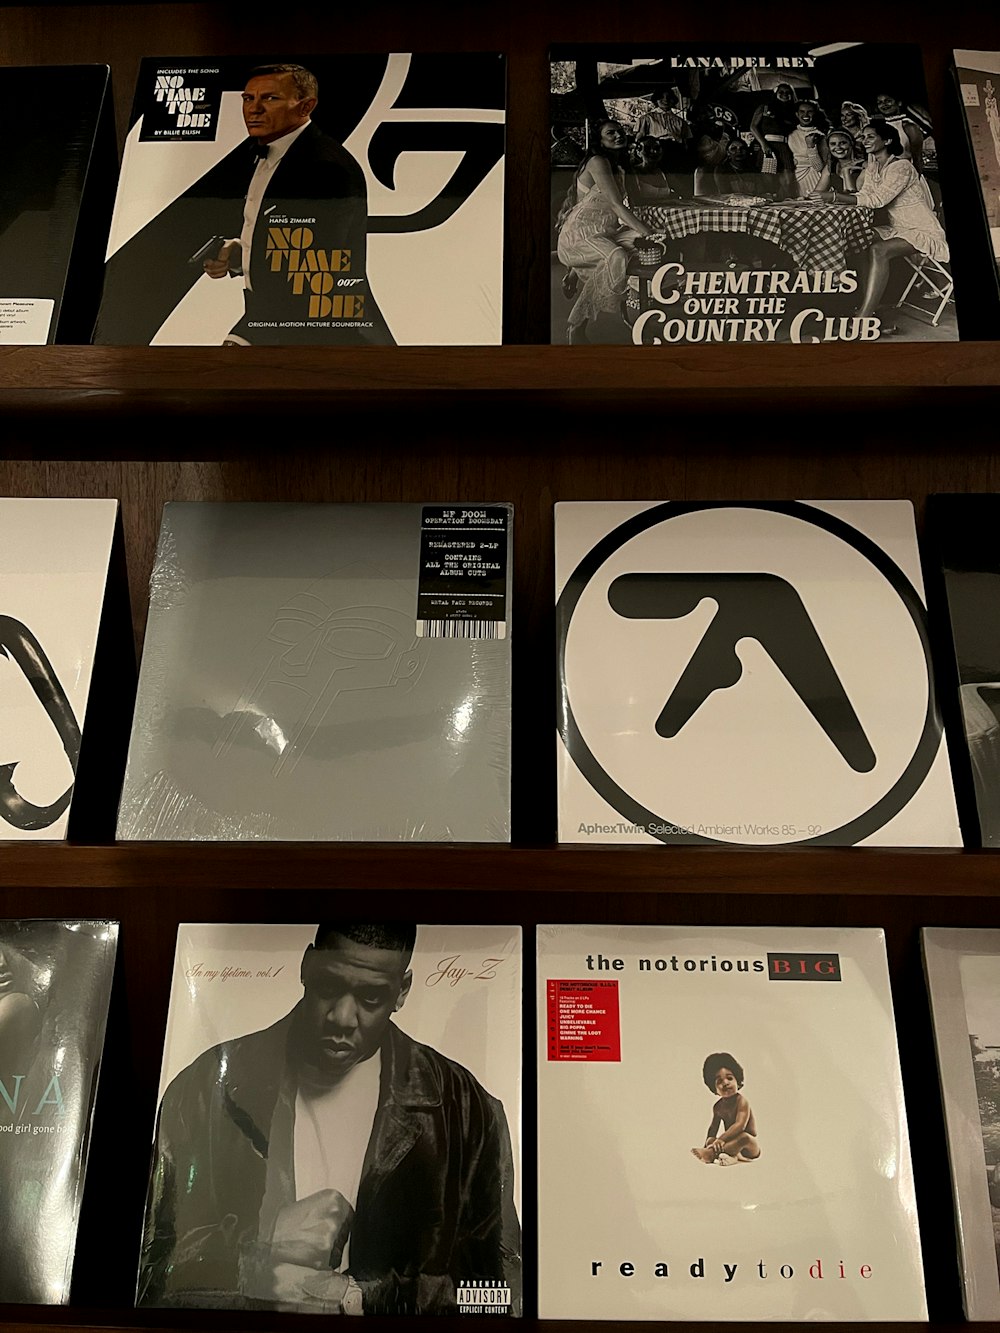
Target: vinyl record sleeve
(439,1187)
(963,981)
(55,984)
(290,688)
(56,165)
(54,558)
(978,76)
(381,222)
(962,536)
(725,203)
(746,673)
(818,1222)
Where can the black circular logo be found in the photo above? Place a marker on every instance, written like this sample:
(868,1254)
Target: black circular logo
(663,825)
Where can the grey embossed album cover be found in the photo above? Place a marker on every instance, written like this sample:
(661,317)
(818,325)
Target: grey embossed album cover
(325,671)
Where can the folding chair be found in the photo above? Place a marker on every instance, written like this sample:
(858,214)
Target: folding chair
(933,280)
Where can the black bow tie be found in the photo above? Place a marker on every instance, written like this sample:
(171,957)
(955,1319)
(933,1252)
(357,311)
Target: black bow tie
(260,149)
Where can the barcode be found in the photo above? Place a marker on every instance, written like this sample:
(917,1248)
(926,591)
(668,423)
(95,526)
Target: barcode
(461,629)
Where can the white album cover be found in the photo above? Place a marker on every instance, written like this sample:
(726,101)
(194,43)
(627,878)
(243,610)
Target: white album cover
(721,1127)
(747,673)
(963,981)
(344,1099)
(54,566)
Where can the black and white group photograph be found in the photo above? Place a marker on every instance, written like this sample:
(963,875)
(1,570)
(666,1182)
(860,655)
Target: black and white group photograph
(768,194)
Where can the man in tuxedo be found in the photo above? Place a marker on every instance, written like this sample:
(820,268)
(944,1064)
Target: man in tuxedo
(300,178)
(288,176)
(330,1163)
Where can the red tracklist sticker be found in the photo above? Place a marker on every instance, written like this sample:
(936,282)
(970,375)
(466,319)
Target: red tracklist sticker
(582,1020)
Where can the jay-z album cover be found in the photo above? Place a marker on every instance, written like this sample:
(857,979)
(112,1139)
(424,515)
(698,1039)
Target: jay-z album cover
(317,200)
(747,673)
(721,1127)
(339,1123)
(745,193)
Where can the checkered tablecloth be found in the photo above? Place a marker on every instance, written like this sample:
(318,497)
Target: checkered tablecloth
(820,236)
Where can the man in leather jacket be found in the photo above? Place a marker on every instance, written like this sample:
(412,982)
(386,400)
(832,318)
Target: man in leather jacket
(331,1163)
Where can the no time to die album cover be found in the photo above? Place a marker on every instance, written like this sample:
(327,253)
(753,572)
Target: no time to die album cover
(324,200)
(746,194)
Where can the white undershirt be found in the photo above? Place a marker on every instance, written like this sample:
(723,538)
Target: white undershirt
(332,1129)
(259,182)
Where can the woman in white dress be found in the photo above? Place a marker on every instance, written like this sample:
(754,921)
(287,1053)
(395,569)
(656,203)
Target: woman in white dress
(592,225)
(890,181)
(808,145)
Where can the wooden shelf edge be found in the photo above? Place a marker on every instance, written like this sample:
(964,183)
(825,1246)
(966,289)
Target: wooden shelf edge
(844,872)
(47,377)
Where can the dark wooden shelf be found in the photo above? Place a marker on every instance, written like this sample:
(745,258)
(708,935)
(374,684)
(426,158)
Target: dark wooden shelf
(109,378)
(859,872)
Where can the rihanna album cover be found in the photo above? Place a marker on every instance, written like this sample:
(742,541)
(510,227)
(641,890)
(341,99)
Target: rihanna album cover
(55,985)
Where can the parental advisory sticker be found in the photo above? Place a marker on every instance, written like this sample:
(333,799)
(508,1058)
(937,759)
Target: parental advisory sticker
(483,1297)
(462,584)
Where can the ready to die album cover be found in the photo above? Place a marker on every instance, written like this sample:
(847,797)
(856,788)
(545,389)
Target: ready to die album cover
(747,673)
(716,1140)
(745,192)
(322,200)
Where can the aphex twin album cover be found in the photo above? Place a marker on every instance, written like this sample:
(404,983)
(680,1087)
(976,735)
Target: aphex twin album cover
(339,1121)
(746,672)
(325,671)
(721,1127)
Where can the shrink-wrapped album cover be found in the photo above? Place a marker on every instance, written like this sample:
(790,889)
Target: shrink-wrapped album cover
(325,671)
(55,985)
(963,981)
(55,201)
(721,1127)
(747,672)
(978,76)
(339,1122)
(327,200)
(962,537)
(54,557)
(745,193)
